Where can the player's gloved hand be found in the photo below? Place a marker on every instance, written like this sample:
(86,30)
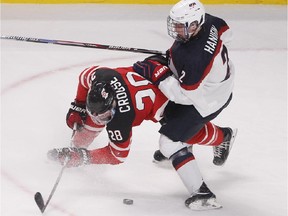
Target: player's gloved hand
(153,68)
(71,157)
(76,114)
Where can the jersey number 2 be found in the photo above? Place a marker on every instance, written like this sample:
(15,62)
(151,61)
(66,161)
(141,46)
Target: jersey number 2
(225,59)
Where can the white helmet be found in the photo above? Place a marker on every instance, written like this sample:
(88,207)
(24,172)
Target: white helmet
(182,15)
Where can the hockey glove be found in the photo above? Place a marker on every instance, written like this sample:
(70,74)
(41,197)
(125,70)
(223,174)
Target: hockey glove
(159,58)
(71,157)
(153,68)
(76,114)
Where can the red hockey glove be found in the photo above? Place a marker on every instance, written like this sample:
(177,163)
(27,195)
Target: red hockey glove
(76,114)
(153,68)
(71,157)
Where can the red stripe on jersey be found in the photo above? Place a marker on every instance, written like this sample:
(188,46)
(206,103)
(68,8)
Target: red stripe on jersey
(84,83)
(120,150)
(120,155)
(85,76)
(208,68)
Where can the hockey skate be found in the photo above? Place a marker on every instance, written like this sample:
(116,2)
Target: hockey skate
(161,161)
(222,151)
(202,199)
(158,156)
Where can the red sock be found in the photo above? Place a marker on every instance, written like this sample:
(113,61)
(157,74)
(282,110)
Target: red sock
(210,135)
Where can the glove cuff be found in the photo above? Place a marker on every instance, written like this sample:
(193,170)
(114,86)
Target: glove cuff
(85,155)
(78,107)
(162,72)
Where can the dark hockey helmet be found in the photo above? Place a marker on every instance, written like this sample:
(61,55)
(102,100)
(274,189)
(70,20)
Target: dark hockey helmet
(100,101)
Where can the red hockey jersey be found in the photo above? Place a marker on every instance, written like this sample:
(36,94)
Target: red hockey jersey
(137,100)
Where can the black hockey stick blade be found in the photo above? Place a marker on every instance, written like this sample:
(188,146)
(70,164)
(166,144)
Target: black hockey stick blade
(39,201)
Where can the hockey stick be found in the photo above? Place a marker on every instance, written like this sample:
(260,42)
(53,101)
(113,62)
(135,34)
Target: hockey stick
(82,44)
(38,196)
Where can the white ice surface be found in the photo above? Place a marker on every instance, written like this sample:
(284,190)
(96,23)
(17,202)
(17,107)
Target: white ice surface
(38,82)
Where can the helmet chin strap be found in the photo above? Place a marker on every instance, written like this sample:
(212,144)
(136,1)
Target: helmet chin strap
(195,32)
(189,35)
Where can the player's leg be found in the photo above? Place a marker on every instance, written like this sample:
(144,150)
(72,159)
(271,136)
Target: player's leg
(185,124)
(179,124)
(220,138)
(183,161)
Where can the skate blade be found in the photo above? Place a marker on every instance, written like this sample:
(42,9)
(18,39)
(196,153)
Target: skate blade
(234,134)
(203,205)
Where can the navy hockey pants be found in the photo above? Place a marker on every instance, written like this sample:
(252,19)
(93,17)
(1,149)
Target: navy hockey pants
(182,122)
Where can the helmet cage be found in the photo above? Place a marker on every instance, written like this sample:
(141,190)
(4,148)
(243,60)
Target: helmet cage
(181,31)
(105,117)
(177,30)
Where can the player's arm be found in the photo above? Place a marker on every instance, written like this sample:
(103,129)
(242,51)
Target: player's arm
(77,111)
(173,90)
(111,154)
(74,157)
(154,68)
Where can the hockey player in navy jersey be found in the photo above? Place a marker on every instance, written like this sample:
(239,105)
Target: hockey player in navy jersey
(199,85)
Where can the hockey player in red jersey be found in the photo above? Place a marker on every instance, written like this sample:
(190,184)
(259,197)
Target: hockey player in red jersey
(118,99)
(199,85)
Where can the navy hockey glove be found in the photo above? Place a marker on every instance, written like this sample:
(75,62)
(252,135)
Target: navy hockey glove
(76,114)
(159,58)
(153,68)
(71,157)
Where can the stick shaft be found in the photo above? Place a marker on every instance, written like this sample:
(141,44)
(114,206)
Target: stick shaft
(54,187)
(82,44)
(59,175)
